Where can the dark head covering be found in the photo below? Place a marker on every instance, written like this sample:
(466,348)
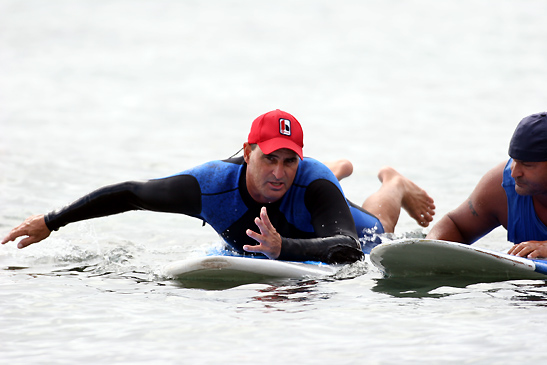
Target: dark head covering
(529,142)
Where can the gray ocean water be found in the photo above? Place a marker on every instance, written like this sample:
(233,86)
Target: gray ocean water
(98,92)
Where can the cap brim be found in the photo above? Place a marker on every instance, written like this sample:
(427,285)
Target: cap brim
(275,144)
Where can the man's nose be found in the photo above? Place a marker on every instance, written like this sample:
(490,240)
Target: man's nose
(515,170)
(278,171)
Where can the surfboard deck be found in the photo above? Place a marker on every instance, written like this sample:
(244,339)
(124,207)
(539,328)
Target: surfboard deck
(422,257)
(233,270)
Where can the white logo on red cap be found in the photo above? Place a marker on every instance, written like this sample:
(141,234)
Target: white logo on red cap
(285,126)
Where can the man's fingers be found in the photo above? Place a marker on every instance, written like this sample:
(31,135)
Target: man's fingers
(516,250)
(250,248)
(530,249)
(260,224)
(16,232)
(33,227)
(26,242)
(264,217)
(255,236)
(7,239)
(522,251)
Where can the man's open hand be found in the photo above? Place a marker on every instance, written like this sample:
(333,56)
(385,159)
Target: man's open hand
(33,227)
(269,240)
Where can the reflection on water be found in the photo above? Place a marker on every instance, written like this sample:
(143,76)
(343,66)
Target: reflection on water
(522,291)
(15,268)
(225,284)
(303,291)
(420,287)
(530,294)
(423,287)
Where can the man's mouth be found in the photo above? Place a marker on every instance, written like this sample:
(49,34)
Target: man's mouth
(520,184)
(276,184)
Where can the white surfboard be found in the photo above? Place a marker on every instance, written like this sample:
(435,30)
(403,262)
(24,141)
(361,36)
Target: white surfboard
(421,257)
(241,270)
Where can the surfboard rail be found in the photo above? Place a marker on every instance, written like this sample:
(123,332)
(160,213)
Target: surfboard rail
(423,257)
(242,269)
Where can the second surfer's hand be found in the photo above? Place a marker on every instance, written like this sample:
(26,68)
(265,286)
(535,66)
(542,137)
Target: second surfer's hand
(529,249)
(269,241)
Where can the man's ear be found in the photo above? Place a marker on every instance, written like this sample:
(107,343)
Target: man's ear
(246,152)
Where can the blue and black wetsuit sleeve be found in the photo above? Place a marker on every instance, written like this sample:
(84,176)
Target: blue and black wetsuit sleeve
(337,240)
(175,194)
(337,249)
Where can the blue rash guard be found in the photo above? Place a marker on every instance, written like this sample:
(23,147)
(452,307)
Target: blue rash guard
(314,218)
(523,223)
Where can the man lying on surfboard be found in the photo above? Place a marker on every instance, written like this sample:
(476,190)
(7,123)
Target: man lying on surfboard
(296,203)
(512,194)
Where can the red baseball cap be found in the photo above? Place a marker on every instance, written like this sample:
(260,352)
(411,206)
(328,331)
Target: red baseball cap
(275,130)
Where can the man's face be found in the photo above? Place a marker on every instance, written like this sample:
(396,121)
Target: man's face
(269,176)
(530,177)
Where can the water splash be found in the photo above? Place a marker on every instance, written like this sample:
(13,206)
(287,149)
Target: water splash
(372,239)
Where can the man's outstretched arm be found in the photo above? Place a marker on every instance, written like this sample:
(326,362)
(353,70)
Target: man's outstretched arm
(176,194)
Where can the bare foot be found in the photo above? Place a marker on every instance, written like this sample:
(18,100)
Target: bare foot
(340,168)
(417,203)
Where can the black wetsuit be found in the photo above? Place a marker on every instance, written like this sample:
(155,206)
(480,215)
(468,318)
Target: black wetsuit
(314,218)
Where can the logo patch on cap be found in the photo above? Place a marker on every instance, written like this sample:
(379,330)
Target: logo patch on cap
(285,126)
